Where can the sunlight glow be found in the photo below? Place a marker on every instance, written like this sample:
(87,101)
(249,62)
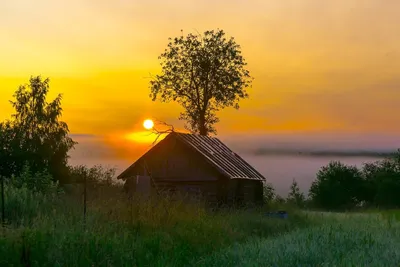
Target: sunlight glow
(148,124)
(140,137)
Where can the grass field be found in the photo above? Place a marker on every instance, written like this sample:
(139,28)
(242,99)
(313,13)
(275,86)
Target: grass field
(50,231)
(340,240)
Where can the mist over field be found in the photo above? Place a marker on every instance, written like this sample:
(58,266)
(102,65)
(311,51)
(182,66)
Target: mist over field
(315,142)
(280,158)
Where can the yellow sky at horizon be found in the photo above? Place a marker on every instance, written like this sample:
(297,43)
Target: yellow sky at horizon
(318,65)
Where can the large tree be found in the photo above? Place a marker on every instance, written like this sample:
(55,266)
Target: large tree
(35,135)
(204,74)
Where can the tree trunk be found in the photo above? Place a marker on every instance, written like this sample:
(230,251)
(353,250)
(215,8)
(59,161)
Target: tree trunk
(202,125)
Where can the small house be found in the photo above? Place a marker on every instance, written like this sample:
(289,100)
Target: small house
(195,165)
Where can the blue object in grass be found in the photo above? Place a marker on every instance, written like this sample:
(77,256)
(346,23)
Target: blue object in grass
(279,214)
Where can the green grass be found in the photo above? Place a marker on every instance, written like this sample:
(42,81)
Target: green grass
(162,232)
(342,240)
(50,231)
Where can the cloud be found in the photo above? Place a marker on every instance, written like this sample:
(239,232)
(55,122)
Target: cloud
(308,141)
(90,146)
(99,150)
(105,147)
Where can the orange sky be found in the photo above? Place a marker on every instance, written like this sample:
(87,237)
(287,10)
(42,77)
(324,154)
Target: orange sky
(318,65)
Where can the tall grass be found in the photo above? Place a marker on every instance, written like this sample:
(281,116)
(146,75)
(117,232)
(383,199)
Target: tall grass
(48,230)
(22,205)
(342,240)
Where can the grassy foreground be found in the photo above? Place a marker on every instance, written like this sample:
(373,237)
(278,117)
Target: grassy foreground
(50,231)
(342,240)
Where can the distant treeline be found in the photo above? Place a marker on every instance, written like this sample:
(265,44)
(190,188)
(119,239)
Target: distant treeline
(327,153)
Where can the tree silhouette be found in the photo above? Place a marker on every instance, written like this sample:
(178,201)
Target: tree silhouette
(338,186)
(204,74)
(35,136)
(296,197)
(7,142)
(268,193)
(383,182)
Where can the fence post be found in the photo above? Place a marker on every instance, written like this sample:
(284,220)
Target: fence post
(84,200)
(130,188)
(3,219)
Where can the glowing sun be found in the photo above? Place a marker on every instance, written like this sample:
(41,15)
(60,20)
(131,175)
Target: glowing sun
(148,124)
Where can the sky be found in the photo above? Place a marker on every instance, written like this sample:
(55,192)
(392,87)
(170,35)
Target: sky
(321,68)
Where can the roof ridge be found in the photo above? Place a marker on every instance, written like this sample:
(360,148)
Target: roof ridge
(221,156)
(196,134)
(216,153)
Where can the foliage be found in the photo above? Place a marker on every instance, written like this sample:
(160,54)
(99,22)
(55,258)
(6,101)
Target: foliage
(383,182)
(296,197)
(95,174)
(35,135)
(337,186)
(279,200)
(23,206)
(27,194)
(203,73)
(36,182)
(269,193)
(7,142)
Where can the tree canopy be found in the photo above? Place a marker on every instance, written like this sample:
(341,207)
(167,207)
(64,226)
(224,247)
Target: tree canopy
(338,186)
(204,74)
(35,135)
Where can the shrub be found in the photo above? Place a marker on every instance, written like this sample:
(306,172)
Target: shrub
(338,186)
(95,174)
(268,193)
(36,182)
(295,197)
(383,182)
(23,205)
(29,194)
(279,200)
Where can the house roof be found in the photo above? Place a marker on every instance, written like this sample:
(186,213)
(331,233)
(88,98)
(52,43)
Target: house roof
(217,154)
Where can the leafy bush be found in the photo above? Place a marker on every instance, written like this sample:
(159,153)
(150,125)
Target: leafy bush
(383,182)
(279,200)
(338,186)
(23,205)
(268,193)
(36,182)
(29,194)
(95,174)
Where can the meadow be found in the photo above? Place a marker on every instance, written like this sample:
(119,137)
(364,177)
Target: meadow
(365,239)
(50,230)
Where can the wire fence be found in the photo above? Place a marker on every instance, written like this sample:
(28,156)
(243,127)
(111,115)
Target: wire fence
(89,199)
(78,190)
(3,219)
